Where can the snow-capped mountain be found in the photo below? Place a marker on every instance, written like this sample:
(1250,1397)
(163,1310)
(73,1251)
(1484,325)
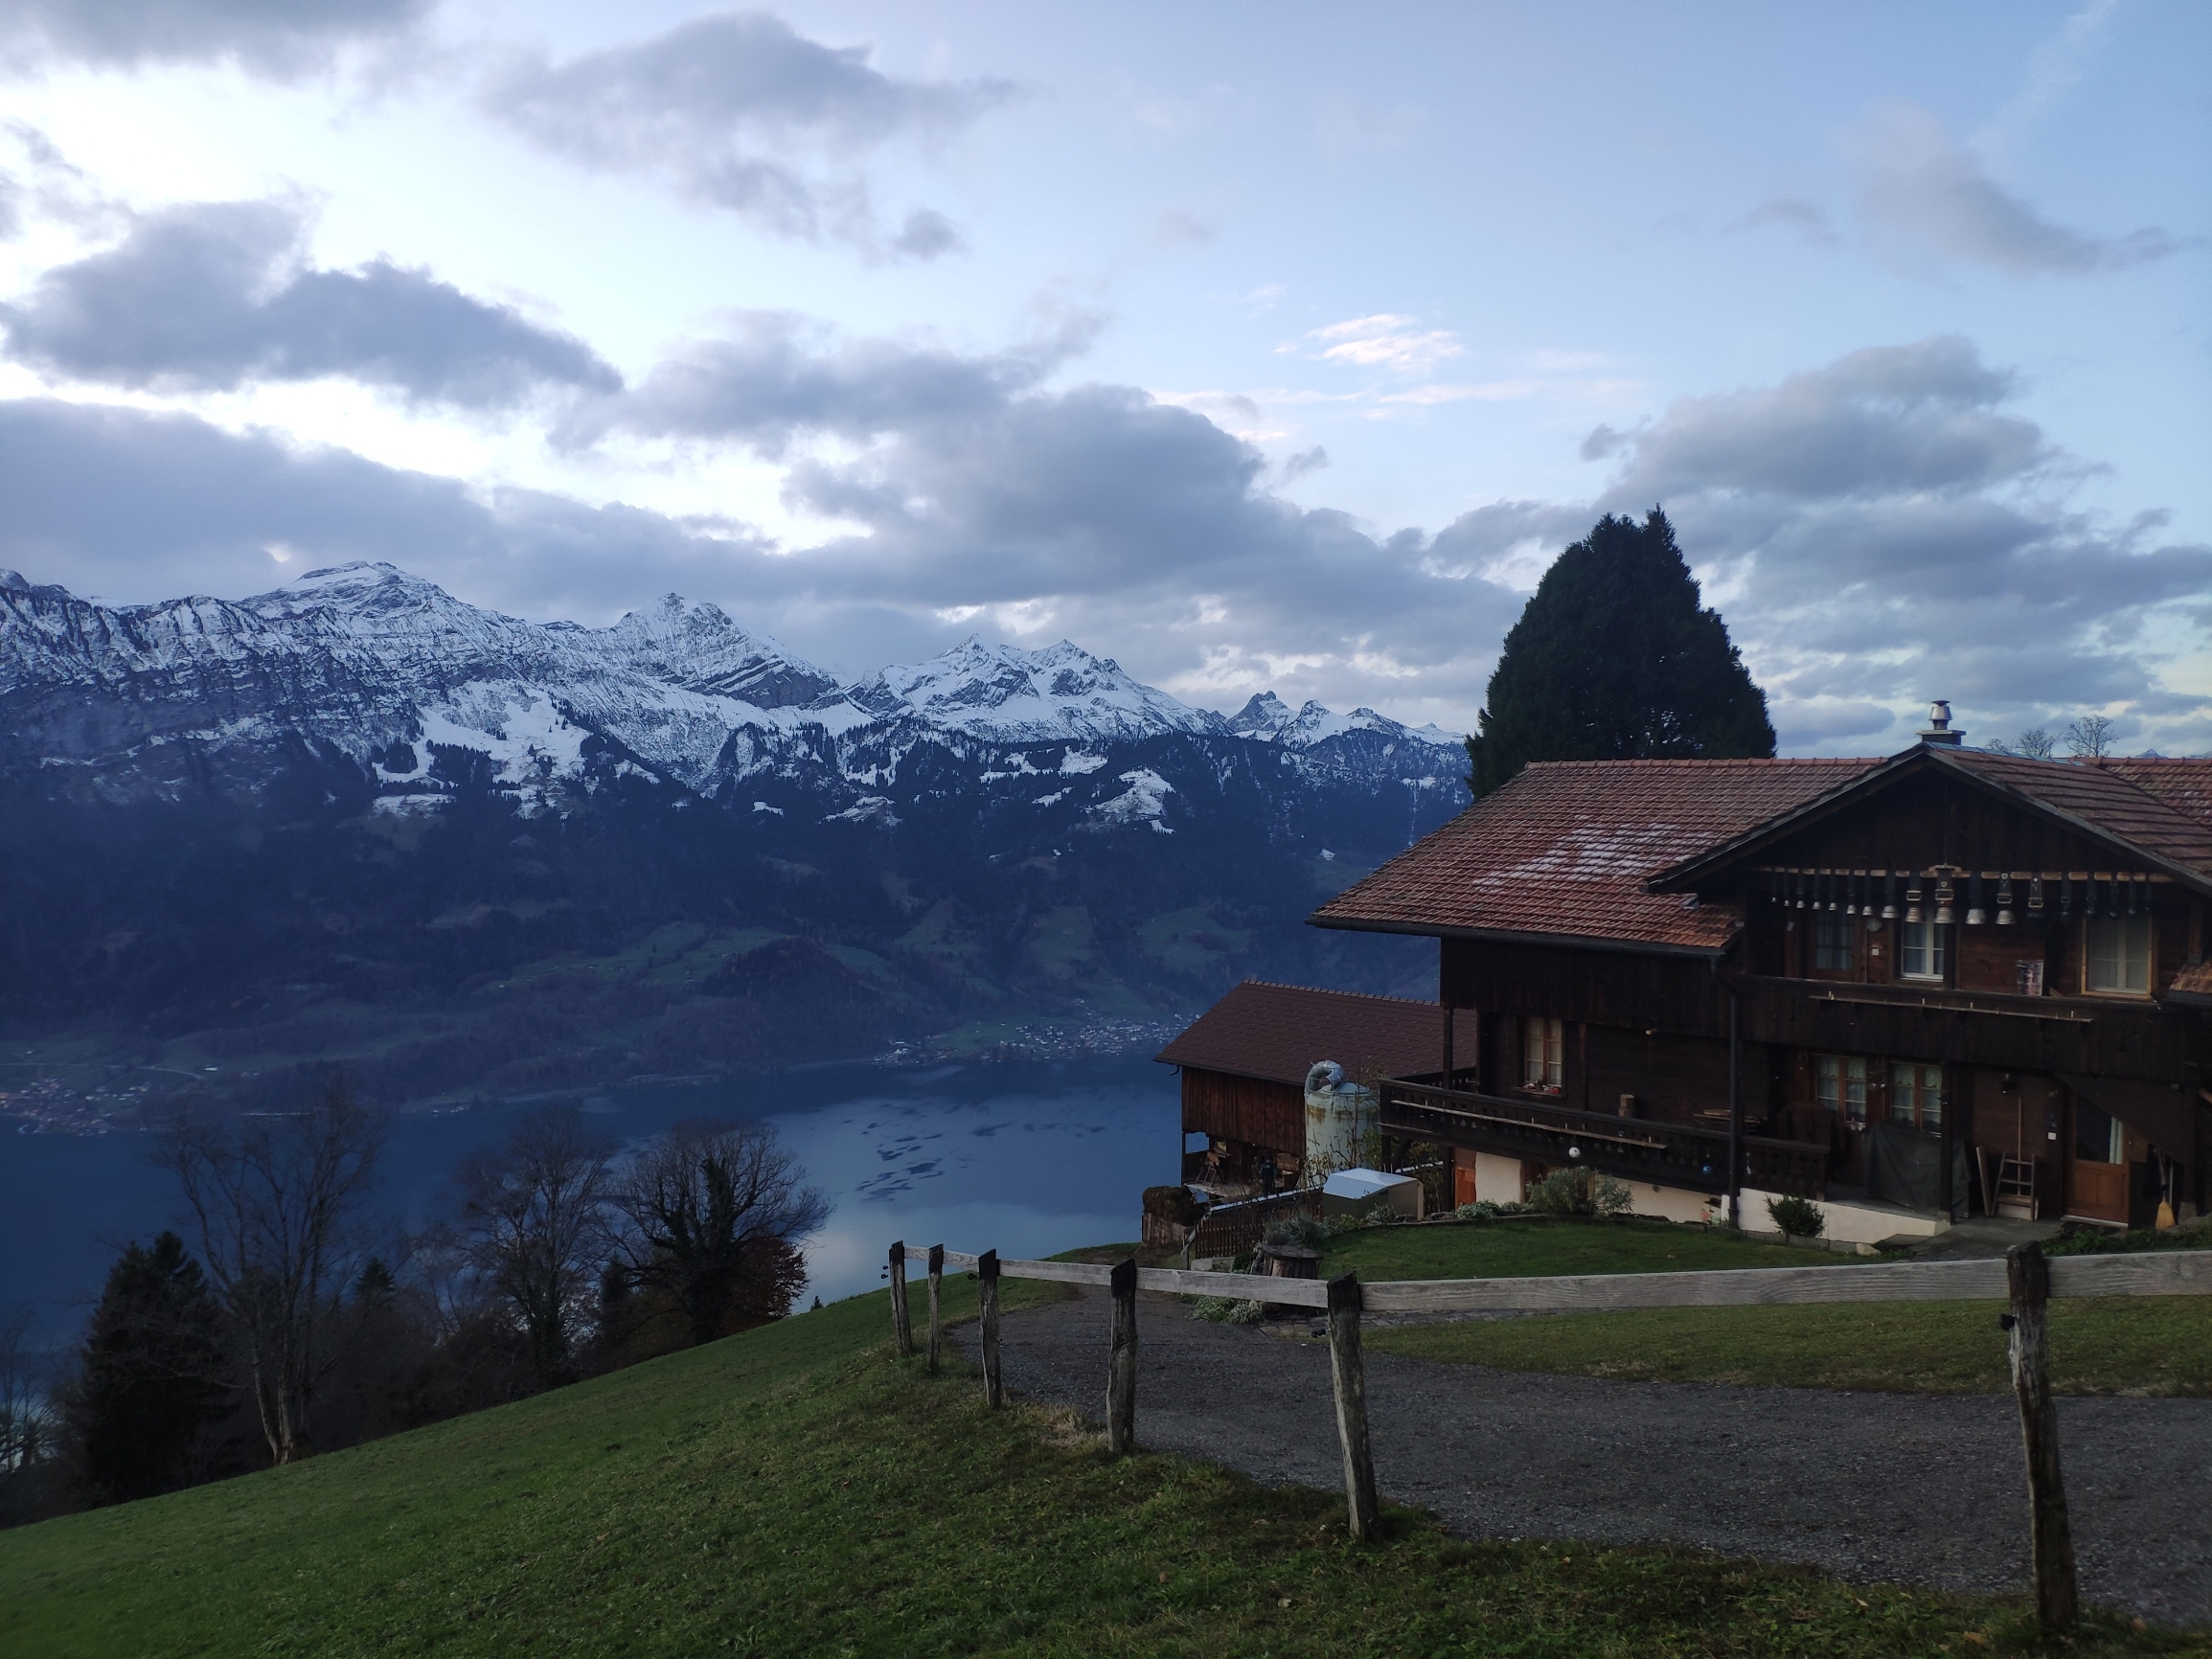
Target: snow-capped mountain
(367,665)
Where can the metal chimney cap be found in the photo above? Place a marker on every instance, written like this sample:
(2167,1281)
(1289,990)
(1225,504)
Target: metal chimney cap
(1939,725)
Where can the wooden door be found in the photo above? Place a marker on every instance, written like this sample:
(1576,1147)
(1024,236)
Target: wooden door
(2099,1184)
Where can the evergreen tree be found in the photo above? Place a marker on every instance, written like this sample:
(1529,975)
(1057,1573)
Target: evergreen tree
(1614,657)
(153,1374)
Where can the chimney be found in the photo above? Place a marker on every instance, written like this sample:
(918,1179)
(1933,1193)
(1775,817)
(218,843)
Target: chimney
(1939,730)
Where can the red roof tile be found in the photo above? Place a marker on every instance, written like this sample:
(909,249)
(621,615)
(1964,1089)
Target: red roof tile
(1565,850)
(2163,808)
(1277,1031)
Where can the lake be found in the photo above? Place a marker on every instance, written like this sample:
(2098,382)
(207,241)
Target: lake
(1026,1158)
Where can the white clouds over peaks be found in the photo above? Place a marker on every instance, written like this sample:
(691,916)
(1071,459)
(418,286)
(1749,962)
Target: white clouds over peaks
(1385,341)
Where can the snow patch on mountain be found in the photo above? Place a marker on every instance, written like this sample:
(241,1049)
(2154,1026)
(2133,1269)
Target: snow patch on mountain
(1005,694)
(1145,799)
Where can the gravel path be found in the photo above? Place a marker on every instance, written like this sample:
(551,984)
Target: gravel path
(1923,1488)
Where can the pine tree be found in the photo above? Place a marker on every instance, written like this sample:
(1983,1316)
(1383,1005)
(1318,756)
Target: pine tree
(1615,657)
(152,1377)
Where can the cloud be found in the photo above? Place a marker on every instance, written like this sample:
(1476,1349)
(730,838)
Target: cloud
(141,506)
(1386,341)
(1789,213)
(281,39)
(778,377)
(1886,532)
(1922,193)
(1347,126)
(210,296)
(1306,461)
(741,112)
(1887,419)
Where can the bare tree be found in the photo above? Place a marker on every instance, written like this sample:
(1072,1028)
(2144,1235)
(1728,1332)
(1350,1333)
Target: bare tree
(2036,743)
(717,1212)
(26,1419)
(2091,737)
(276,1201)
(535,1229)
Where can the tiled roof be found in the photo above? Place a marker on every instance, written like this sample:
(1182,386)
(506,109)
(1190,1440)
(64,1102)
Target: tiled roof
(1277,1031)
(1566,849)
(2161,806)
(2194,982)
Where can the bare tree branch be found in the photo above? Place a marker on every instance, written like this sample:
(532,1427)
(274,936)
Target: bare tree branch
(535,1215)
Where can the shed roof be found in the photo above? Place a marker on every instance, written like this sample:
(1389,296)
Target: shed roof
(1276,1032)
(1565,850)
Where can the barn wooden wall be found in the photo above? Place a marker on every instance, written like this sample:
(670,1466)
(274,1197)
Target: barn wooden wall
(1246,1109)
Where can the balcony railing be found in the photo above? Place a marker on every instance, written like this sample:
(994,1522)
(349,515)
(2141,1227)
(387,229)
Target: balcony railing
(1630,1148)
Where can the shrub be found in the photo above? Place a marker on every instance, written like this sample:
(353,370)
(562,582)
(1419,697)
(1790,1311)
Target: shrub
(1227,1310)
(1302,1230)
(1579,1191)
(1481,1210)
(1797,1218)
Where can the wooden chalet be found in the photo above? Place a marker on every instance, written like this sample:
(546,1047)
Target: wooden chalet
(1243,1064)
(1946,983)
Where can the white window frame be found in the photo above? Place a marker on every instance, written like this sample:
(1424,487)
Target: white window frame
(1931,951)
(2122,965)
(1543,1053)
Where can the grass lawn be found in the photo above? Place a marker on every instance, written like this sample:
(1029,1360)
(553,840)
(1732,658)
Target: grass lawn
(797,1491)
(2150,1345)
(1534,1249)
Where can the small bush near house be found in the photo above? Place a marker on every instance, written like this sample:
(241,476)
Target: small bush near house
(1797,1218)
(1579,1193)
(1481,1210)
(1303,1230)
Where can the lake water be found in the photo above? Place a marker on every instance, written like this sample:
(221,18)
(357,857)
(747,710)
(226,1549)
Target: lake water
(1026,1158)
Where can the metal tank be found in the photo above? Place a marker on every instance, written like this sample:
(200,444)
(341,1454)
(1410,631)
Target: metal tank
(1340,1117)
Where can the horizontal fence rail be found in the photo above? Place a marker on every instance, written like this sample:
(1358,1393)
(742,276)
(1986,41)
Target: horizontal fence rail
(2165,1273)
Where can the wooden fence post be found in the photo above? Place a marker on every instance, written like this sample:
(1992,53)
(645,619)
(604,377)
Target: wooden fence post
(2050,1537)
(901,1327)
(1348,1375)
(936,1290)
(987,1273)
(1121,1362)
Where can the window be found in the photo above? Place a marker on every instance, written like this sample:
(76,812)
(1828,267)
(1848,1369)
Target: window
(2118,954)
(1834,942)
(1543,1055)
(1840,1083)
(2096,1135)
(1916,1095)
(1919,950)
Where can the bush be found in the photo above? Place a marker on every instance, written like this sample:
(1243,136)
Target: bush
(1302,1230)
(1227,1310)
(1797,1218)
(1579,1191)
(1481,1210)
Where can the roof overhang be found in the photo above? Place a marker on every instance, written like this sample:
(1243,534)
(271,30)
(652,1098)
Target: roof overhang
(1912,763)
(1506,936)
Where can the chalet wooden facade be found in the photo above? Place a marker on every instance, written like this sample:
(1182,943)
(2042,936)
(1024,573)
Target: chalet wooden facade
(1243,1065)
(1946,983)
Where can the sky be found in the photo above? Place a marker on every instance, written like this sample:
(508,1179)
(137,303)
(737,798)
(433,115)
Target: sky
(1255,346)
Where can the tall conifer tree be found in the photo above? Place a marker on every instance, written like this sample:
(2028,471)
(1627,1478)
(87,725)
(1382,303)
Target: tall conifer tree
(1615,657)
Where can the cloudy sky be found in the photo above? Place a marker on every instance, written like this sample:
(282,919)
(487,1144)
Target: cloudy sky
(1253,345)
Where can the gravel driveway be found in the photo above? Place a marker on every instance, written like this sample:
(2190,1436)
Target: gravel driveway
(1924,1489)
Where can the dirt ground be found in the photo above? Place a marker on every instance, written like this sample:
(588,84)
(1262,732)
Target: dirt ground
(1923,1488)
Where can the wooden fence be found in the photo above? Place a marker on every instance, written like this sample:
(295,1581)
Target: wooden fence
(1232,1229)
(2025,1278)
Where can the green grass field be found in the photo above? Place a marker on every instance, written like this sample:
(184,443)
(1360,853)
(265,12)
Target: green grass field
(798,1491)
(2147,1345)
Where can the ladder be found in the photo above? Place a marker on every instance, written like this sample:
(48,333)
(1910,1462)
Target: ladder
(2016,1187)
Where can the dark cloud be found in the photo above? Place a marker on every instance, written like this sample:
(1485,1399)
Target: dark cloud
(777,375)
(138,505)
(210,296)
(742,112)
(278,38)
(1306,461)
(1921,192)
(1918,417)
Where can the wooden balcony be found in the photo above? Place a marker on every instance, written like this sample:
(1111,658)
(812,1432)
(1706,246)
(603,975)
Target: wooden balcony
(1421,1109)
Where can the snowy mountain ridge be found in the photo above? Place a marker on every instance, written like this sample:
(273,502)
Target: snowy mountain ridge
(373,663)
